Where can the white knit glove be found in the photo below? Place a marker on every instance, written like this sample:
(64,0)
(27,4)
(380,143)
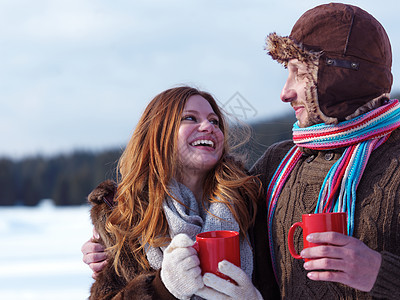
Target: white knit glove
(180,271)
(220,289)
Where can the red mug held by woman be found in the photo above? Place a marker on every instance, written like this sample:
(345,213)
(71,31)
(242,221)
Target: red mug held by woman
(216,246)
(320,222)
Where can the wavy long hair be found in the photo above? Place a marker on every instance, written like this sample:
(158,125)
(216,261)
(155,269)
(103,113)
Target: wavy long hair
(147,166)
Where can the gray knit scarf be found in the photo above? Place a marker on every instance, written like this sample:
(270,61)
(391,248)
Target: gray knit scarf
(191,219)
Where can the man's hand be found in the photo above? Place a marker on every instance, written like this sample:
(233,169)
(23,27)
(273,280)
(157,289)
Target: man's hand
(346,260)
(94,254)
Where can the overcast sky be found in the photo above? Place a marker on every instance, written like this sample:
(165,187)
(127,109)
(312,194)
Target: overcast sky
(77,74)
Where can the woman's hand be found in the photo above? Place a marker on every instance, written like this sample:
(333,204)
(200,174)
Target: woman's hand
(221,289)
(94,254)
(180,271)
(353,263)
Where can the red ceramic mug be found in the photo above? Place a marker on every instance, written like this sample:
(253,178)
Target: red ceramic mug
(216,246)
(321,222)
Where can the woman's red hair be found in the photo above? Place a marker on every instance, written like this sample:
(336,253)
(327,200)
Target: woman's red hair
(148,164)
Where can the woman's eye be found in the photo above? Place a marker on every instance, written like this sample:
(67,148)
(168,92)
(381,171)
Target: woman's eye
(214,121)
(188,118)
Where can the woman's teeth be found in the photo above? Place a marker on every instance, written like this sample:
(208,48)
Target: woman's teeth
(207,143)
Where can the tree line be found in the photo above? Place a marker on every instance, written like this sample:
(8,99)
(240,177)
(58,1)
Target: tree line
(67,179)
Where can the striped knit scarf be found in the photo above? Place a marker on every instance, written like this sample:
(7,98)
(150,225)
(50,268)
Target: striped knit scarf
(360,136)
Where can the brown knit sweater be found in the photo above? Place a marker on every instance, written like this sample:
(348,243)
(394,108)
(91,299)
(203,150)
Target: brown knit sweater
(377,222)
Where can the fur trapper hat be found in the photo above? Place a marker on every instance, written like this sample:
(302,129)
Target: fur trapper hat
(348,55)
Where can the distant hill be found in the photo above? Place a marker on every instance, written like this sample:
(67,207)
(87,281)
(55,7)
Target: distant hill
(68,179)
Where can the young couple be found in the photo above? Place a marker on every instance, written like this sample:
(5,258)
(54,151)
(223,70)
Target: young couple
(178,179)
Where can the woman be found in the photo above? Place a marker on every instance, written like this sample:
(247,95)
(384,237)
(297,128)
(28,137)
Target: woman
(176,177)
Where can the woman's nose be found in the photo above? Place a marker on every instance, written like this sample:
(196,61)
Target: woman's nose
(206,126)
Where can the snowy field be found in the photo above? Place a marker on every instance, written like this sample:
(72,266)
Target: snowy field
(40,257)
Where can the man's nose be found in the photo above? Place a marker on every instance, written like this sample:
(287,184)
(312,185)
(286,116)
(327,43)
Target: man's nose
(288,93)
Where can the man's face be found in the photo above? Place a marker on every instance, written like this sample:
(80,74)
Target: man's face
(294,92)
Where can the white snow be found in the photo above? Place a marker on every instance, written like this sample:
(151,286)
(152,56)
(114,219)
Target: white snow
(40,253)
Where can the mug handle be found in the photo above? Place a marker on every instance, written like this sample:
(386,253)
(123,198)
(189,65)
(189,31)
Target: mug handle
(290,240)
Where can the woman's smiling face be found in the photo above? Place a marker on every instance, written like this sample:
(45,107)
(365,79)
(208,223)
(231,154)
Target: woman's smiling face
(200,139)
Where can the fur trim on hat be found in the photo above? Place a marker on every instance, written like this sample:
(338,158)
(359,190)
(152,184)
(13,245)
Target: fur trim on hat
(283,49)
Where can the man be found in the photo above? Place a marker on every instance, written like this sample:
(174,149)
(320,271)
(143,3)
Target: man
(339,63)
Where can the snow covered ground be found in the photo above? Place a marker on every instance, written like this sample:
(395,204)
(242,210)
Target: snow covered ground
(40,255)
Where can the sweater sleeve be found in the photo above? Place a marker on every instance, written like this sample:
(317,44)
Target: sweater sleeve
(387,284)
